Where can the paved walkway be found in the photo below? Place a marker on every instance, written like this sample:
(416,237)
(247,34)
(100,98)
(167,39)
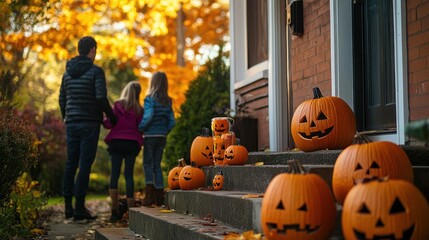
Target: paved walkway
(59,228)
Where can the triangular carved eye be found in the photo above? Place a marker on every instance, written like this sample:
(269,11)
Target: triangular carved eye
(303,208)
(221,125)
(207,148)
(358,167)
(280,206)
(397,207)
(364,209)
(321,116)
(374,165)
(303,120)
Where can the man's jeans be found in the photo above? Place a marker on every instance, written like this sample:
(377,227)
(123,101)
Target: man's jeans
(82,142)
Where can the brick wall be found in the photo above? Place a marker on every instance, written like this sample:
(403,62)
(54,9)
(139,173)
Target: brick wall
(311,53)
(254,98)
(418,58)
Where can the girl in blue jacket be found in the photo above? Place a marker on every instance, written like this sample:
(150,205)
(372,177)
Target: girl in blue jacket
(158,120)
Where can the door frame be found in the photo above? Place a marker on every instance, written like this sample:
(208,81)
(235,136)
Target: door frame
(342,62)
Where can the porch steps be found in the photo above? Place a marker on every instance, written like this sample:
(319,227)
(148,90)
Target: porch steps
(204,214)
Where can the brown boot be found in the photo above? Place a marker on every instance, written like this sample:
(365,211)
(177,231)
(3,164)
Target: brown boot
(114,206)
(159,197)
(131,203)
(149,197)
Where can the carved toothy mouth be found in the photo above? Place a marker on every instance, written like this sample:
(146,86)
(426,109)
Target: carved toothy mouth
(209,156)
(406,235)
(229,157)
(307,228)
(220,130)
(318,134)
(217,184)
(187,178)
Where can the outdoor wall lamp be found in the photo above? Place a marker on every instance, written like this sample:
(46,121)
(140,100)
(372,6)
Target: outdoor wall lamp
(295,17)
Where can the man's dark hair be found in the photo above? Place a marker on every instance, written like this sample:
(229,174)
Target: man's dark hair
(85,44)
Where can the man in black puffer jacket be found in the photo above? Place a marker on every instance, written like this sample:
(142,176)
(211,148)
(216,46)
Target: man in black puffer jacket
(83,99)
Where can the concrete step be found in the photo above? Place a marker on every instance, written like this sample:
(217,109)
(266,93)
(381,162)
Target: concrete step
(253,178)
(115,234)
(154,224)
(418,156)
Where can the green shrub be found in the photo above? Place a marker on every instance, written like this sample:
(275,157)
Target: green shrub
(18,150)
(18,215)
(207,97)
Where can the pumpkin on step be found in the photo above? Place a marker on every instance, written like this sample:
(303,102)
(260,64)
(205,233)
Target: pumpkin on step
(323,123)
(385,209)
(218,181)
(191,177)
(173,175)
(202,149)
(218,151)
(367,159)
(298,205)
(236,154)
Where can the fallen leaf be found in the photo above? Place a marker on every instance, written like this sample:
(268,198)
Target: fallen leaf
(252,196)
(248,235)
(165,211)
(259,163)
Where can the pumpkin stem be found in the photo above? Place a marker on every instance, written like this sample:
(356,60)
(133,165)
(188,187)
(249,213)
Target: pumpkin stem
(182,162)
(295,167)
(317,93)
(205,132)
(361,139)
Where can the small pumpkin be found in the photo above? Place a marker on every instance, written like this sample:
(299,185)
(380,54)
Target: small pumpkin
(218,181)
(173,175)
(221,125)
(298,205)
(323,123)
(367,159)
(191,177)
(236,154)
(218,151)
(385,209)
(202,149)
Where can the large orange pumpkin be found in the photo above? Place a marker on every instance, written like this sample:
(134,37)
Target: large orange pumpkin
(191,177)
(366,159)
(202,149)
(298,205)
(385,209)
(323,123)
(236,154)
(173,175)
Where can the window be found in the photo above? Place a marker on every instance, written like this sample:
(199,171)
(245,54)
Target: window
(257,32)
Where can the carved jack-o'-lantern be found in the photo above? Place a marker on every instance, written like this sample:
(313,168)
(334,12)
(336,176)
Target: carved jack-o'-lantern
(173,175)
(191,177)
(202,149)
(218,151)
(298,205)
(385,209)
(366,159)
(218,181)
(236,154)
(323,123)
(221,125)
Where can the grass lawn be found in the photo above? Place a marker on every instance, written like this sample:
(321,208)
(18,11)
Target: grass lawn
(60,199)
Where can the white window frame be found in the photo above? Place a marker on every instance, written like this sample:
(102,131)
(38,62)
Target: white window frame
(342,62)
(240,74)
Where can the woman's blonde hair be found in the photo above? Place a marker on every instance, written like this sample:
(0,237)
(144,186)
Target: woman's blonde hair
(159,88)
(130,97)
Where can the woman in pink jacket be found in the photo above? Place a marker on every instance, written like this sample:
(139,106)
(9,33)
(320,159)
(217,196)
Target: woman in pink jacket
(125,142)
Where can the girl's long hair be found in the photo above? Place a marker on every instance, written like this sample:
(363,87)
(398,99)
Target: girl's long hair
(130,97)
(159,88)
